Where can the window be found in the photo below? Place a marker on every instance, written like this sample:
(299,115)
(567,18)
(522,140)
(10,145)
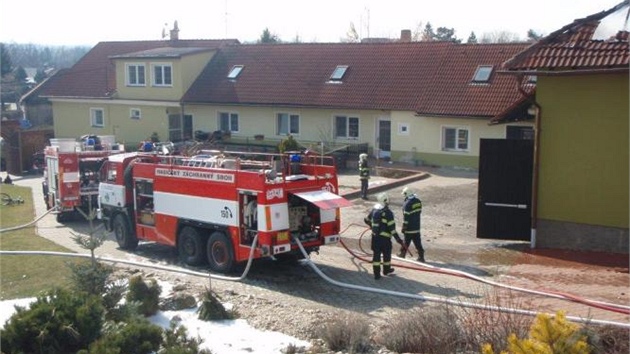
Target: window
(135,75)
(338,73)
(228,122)
(455,139)
(236,70)
(346,127)
(180,128)
(482,74)
(97,117)
(162,75)
(135,113)
(403,129)
(288,124)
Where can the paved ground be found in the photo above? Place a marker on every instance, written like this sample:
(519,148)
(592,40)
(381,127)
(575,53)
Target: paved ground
(449,224)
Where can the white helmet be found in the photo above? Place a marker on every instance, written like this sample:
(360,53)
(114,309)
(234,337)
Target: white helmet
(407,191)
(383,198)
(363,156)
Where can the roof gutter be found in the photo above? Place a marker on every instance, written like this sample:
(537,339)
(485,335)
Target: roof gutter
(564,72)
(536,163)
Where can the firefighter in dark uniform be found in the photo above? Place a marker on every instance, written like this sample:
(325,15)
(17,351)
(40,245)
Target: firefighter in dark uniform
(381,219)
(412,210)
(364,174)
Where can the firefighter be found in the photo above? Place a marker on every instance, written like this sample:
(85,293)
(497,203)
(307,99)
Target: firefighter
(412,210)
(381,219)
(364,174)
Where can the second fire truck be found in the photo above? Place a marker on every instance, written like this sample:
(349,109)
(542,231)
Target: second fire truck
(212,206)
(71,172)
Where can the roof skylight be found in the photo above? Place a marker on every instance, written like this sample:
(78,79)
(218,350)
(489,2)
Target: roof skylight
(338,73)
(236,70)
(483,73)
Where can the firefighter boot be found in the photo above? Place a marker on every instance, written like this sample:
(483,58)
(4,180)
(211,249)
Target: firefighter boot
(421,256)
(387,270)
(402,253)
(377,272)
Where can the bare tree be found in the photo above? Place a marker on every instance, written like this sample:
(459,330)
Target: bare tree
(472,39)
(352,36)
(499,37)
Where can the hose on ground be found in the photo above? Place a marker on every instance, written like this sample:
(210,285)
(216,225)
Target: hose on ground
(549,293)
(443,300)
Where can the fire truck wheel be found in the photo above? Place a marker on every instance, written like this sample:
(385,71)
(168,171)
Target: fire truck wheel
(220,252)
(190,246)
(125,239)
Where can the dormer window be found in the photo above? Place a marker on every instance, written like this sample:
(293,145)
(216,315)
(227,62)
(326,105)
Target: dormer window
(236,70)
(482,75)
(338,73)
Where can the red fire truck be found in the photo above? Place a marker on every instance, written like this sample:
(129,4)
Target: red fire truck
(71,172)
(211,206)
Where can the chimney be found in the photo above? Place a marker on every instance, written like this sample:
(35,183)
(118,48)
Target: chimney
(175,32)
(405,36)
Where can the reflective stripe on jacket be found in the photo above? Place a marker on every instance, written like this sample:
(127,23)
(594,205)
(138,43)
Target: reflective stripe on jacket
(412,208)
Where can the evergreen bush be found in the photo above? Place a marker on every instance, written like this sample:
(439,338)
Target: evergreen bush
(59,321)
(211,308)
(147,294)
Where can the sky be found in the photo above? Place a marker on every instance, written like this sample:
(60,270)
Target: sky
(236,336)
(75,22)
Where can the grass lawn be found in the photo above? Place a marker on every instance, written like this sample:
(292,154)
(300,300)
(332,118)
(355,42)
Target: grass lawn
(26,276)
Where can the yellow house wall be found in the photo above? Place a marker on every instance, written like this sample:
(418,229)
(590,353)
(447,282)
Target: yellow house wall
(72,120)
(315,124)
(185,70)
(423,142)
(584,149)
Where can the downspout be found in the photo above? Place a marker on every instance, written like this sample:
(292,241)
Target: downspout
(536,163)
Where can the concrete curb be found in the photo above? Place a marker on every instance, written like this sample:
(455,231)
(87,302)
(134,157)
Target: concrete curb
(356,193)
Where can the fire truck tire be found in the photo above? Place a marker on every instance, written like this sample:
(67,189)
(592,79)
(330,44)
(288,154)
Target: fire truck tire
(126,240)
(220,252)
(190,246)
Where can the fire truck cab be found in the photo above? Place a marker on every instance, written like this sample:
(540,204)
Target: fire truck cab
(71,174)
(212,206)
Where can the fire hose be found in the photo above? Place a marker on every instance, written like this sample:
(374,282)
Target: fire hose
(549,293)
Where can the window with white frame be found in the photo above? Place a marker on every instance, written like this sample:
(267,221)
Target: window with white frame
(97,117)
(228,122)
(162,74)
(346,127)
(135,113)
(403,129)
(455,139)
(135,75)
(287,123)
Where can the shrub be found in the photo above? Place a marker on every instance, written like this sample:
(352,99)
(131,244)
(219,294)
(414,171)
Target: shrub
(609,339)
(136,337)
(346,332)
(548,335)
(479,324)
(211,308)
(176,341)
(288,144)
(424,330)
(148,295)
(90,277)
(59,321)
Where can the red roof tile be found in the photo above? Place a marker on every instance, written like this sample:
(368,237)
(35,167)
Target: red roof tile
(574,47)
(427,77)
(94,76)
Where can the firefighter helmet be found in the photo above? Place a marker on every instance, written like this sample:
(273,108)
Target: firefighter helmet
(407,191)
(363,156)
(383,198)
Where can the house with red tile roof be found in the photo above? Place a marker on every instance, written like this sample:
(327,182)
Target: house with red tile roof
(426,102)
(581,168)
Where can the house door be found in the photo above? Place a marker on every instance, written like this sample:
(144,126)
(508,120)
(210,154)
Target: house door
(505,189)
(384,138)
